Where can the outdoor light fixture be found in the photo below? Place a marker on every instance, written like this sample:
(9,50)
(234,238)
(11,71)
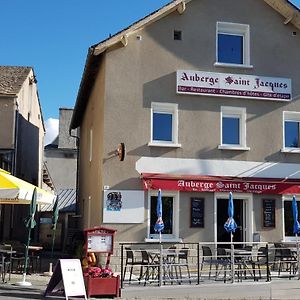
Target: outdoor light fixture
(121,151)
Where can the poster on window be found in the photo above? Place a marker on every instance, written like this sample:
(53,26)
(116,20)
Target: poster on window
(123,206)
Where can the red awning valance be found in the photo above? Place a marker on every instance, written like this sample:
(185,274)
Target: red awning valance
(220,184)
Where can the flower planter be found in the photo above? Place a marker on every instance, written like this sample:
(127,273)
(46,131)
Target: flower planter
(99,286)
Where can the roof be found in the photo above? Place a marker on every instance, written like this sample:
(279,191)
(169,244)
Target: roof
(12,79)
(66,202)
(289,11)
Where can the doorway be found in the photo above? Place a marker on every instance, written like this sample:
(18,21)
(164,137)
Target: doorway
(239,217)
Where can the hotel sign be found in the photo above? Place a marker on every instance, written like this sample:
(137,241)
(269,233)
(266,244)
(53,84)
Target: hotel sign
(233,85)
(241,186)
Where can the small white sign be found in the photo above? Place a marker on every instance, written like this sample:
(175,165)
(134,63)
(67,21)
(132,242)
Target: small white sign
(98,243)
(67,278)
(72,277)
(233,85)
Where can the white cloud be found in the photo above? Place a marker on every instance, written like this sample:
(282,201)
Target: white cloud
(51,126)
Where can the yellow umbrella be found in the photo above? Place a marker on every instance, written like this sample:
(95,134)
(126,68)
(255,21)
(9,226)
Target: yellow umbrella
(14,190)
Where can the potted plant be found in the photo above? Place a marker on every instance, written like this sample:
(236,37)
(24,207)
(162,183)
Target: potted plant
(101,281)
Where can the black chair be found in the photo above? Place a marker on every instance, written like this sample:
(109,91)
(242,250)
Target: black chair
(223,262)
(277,255)
(131,262)
(6,261)
(183,255)
(171,264)
(207,259)
(148,264)
(261,261)
(288,262)
(18,258)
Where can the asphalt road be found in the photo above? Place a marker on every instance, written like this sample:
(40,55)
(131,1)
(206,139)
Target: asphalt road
(276,289)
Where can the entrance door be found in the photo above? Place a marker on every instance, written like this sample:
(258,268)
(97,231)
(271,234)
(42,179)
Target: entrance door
(239,217)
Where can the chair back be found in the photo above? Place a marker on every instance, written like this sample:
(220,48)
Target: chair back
(129,254)
(145,256)
(285,252)
(221,253)
(183,254)
(171,251)
(206,251)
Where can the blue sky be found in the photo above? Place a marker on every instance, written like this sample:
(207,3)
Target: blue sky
(53,37)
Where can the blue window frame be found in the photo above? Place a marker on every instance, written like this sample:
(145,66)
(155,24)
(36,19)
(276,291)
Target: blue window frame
(291,134)
(230,48)
(162,127)
(231,130)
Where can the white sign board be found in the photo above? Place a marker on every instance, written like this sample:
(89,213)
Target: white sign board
(98,243)
(121,206)
(233,85)
(72,277)
(67,275)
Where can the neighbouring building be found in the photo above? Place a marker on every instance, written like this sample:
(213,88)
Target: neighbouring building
(203,98)
(60,164)
(21,140)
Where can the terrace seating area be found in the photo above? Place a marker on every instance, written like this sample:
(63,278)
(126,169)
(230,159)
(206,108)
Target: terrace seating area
(196,263)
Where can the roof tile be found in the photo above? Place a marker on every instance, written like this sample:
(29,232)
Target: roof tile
(12,79)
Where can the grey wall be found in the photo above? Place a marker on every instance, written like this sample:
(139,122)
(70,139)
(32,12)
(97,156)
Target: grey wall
(64,138)
(145,71)
(7,117)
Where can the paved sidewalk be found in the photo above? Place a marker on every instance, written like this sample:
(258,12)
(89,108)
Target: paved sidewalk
(277,289)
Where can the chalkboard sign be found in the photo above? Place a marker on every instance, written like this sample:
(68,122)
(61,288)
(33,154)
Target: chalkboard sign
(268,212)
(197,212)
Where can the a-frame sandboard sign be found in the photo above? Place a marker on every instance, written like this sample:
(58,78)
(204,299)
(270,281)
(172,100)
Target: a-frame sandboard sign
(66,280)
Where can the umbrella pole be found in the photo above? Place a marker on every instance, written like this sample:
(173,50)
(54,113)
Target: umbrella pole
(232,257)
(298,259)
(24,282)
(53,241)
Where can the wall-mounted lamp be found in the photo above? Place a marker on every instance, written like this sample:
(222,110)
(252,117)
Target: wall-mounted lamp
(121,151)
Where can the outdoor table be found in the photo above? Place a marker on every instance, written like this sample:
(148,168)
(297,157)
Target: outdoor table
(242,258)
(164,260)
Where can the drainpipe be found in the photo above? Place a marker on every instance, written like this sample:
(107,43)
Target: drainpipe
(77,170)
(14,158)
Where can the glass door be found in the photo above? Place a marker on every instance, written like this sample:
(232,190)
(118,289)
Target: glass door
(239,217)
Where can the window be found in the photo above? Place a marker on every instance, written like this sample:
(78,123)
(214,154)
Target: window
(164,125)
(288,218)
(233,45)
(177,35)
(291,131)
(170,215)
(233,128)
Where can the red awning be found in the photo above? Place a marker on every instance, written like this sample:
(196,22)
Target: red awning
(191,183)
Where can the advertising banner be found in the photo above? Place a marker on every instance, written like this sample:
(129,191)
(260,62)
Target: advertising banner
(233,85)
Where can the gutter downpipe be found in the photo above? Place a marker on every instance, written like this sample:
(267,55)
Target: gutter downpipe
(77,170)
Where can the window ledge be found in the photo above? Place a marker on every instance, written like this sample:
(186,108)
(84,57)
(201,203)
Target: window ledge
(158,144)
(290,150)
(164,240)
(227,147)
(225,65)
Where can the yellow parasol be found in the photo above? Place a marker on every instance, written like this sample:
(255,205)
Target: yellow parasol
(14,190)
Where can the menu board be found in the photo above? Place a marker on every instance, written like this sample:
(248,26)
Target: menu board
(197,212)
(99,243)
(269,213)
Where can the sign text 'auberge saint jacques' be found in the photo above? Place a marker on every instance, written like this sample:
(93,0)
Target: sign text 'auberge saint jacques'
(233,85)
